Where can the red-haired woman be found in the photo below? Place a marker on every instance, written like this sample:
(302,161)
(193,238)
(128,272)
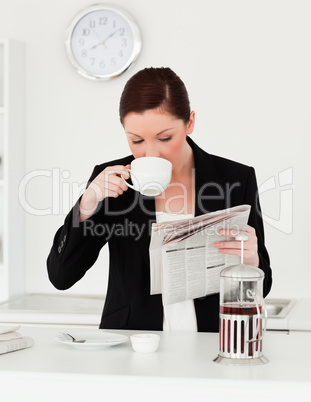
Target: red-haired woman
(157,119)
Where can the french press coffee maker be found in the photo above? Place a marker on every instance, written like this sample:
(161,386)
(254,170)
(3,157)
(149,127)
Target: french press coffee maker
(241,314)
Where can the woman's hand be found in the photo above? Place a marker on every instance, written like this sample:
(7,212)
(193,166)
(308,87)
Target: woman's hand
(107,184)
(233,247)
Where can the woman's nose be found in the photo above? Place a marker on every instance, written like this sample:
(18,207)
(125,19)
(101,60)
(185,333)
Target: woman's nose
(152,151)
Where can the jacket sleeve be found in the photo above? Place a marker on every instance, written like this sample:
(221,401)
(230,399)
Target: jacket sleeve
(255,220)
(75,247)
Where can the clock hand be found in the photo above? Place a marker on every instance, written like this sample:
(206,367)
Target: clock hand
(95,46)
(102,42)
(113,33)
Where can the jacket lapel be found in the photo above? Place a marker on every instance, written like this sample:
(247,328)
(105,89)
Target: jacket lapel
(209,187)
(145,216)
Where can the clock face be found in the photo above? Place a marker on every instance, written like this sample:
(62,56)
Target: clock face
(102,42)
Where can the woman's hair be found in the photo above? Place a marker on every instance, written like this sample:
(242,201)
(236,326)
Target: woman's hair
(154,88)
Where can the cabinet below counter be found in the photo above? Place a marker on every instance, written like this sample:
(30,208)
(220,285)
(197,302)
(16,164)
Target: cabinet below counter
(182,369)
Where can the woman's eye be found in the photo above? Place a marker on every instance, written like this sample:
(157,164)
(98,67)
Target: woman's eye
(165,139)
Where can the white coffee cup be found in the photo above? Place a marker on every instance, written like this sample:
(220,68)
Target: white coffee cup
(150,175)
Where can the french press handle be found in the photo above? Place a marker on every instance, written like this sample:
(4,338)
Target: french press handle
(259,300)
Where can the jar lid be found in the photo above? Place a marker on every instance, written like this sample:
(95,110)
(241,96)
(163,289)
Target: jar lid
(242,272)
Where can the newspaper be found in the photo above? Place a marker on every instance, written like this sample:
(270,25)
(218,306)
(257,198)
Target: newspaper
(184,264)
(10,340)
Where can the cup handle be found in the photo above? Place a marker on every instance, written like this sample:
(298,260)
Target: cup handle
(128,184)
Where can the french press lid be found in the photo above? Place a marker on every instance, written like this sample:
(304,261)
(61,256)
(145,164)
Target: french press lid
(242,272)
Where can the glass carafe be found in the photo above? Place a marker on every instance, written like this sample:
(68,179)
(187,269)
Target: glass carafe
(242,316)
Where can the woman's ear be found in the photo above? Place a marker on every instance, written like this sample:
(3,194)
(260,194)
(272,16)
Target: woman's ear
(190,124)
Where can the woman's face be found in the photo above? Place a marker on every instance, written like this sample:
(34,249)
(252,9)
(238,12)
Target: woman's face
(158,133)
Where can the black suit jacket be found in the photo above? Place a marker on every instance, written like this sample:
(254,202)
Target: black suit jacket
(125,223)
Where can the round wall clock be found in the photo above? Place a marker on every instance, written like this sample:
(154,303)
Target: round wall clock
(102,41)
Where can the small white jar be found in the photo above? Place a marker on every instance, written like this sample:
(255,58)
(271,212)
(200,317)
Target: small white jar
(145,343)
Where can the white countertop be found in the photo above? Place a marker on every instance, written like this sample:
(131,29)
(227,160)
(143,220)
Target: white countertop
(182,368)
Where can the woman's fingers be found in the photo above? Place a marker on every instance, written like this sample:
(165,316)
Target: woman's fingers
(233,247)
(108,183)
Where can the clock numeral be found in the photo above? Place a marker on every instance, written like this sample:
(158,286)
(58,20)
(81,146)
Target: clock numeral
(84,53)
(120,53)
(124,43)
(103,21)
(122,30)
(85,31)
(92,59)
(112,61)
(102,64)
(81,42)
(92,24)
(114,24)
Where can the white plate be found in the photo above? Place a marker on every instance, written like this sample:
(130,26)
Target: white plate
(94,339)
(6,330)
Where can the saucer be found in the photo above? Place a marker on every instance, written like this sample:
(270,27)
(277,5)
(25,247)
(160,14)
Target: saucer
(93,339)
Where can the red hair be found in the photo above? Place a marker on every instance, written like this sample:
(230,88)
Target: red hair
(153,88)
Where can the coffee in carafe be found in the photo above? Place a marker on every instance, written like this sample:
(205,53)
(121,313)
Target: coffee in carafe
(242,315)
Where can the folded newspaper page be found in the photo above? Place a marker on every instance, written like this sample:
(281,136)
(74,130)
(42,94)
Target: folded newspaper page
(11,340)
(184,264)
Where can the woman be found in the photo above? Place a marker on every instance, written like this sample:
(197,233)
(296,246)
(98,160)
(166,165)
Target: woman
(157,119)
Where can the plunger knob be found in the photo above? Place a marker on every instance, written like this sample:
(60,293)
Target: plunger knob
(242,237)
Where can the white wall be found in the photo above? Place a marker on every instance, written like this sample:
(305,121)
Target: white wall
(247,68)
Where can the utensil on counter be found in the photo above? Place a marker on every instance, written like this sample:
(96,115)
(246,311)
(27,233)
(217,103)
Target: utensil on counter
(108,340)
(74,339)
